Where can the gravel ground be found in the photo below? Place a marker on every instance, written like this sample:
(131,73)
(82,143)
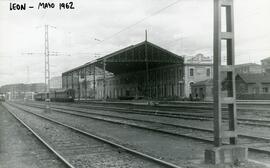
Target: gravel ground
(182,151)
(19,148)
(169,148)
(81,150)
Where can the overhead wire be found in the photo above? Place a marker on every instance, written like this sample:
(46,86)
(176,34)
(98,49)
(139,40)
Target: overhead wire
(140,21)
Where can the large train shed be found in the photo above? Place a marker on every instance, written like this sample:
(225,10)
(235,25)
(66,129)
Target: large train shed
(144,70)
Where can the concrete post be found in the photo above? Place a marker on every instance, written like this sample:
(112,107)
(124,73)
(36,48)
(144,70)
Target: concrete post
(220,153)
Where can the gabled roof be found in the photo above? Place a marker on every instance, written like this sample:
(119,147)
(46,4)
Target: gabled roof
(256,77)
(141,44)
(134,58)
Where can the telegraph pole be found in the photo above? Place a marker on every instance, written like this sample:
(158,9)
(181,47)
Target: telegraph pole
(47,67)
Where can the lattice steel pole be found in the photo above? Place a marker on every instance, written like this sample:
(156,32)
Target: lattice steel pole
(47,60)
(47,69)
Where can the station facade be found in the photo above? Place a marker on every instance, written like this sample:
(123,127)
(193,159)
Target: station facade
(144,70)
(196,68)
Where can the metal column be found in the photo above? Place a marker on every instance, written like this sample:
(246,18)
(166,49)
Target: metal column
(85,84)
(64,85)
(104,79)
(94,81)
(227,69)
(78,87)
(67,81)
(72,81)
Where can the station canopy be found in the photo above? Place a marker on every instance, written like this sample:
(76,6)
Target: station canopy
(134,58)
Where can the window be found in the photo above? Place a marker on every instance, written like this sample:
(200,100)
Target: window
(191,72)
(208,72)
(265,90)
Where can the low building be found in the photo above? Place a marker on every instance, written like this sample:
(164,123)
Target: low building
(248,68)
(266,64)
(197,68)
(20,90)
(202,90)
(253,86)
(253,83)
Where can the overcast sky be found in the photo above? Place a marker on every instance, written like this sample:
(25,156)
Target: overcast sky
(185,28)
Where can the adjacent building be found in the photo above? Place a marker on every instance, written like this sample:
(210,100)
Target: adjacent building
(248,86)
(266,65)
(248,68)
(197,68)
(253,83)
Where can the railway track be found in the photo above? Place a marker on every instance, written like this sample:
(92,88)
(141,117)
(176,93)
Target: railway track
(196,133)
(57,154)
(193,114)
(77,147)
(182,115)
(20,147)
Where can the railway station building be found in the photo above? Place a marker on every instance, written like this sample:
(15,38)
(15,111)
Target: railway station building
(144,70)
(196,68)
